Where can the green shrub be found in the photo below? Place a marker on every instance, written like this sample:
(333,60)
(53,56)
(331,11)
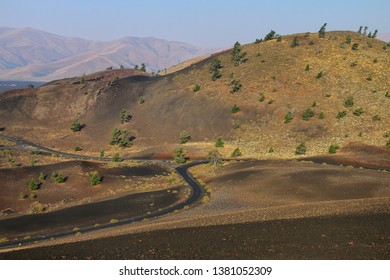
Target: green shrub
(348,40)
(349,101)
(141,101)
(309,113)
(333,149)
(184,137)
(376,118)
(369,78)
(95,178)
(215,69)
(375,60)
(77,148)
(288,117)
(388,145)
(387,94)
(219,143)
(271,150)
(270,101)
(307,67)
(32,196)
(353,64)
(22,195)
(341,114)
(179,156)
(236,86)
(101,153)
(386,134)
(32,185)
(196,88)
(301,149)
(76,125)
(355,46)
(125,116)
(59,178)
(357,112)
(262,97)
(116,158)
(121,138)
(294,42)
(214,157)
(235,109)
(42,176)
(236,152)
(321,116)
(319,75)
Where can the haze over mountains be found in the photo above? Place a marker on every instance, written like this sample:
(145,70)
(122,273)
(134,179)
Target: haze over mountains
(29,54)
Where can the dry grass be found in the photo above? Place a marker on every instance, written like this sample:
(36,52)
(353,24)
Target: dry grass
(277,71)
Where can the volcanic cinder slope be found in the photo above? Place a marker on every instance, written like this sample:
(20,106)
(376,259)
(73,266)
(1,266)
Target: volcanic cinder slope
(318,91)
(318,75)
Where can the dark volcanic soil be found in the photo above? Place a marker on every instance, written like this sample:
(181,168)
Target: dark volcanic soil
(346,237)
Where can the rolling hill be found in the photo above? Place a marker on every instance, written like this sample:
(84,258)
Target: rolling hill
(29,54)
(321,92)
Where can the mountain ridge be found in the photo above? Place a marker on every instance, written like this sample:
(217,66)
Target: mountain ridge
(30,54)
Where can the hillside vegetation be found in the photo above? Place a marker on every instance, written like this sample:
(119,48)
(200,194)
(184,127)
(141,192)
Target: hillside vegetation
(267,99)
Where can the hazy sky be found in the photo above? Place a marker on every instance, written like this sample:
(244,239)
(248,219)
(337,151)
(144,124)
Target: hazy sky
(207,23)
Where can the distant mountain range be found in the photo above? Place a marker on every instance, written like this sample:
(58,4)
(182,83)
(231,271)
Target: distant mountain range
(30,54)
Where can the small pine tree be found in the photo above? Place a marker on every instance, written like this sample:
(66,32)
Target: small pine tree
(294,42)
(333,149)
(143,67)
(349,101)
(341,114)
(289,117)
(59,178)
(184,137)
(307,67)
(215,69)
(32,185)
(357,112)
(76,125)
(235,109)
(236,152)
(375,33)
(125,116)
(365,30)
(196,88)
(301,149)
(219,143)
(360,30)
(95,178)
(309,113)
(321,32)
(236,86)
(270,35)
(116,158)
(42,176)
(179,156)
(237,55)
